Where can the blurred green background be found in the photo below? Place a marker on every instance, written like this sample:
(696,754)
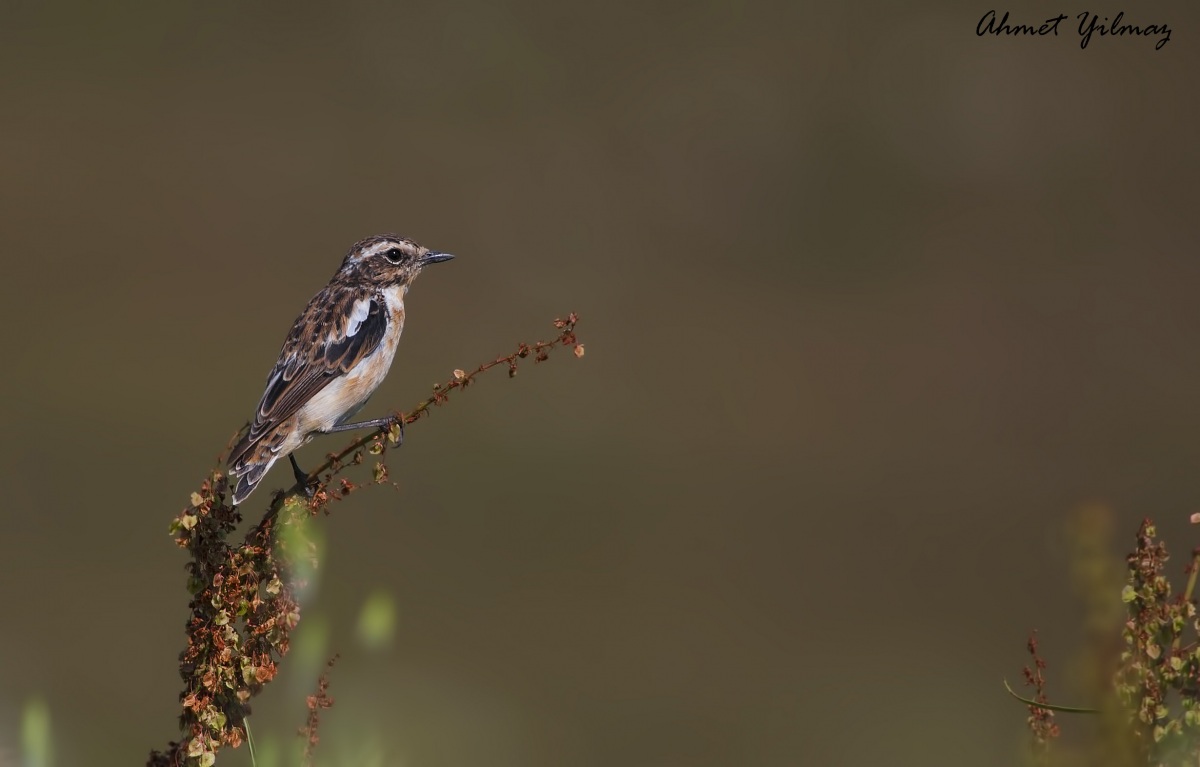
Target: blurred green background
(871,304)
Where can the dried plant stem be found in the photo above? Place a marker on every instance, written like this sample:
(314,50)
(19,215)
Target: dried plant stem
(244,596)
(460,380)
(315,704)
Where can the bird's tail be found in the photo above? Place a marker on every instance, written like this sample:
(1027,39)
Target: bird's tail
(249,462)
(249,475)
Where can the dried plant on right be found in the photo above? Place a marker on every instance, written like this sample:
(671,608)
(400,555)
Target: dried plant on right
(1147,673)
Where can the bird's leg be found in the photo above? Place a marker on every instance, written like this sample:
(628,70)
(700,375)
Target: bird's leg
(301,476)
(375,423)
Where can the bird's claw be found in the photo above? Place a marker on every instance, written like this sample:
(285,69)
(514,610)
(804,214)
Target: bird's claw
(395,431)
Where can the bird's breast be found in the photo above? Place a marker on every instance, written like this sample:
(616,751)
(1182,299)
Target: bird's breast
(346,394)
(365,377)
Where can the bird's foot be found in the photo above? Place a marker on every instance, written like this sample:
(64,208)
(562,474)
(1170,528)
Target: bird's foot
(395,429)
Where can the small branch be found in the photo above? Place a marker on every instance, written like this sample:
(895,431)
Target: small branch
(460,380)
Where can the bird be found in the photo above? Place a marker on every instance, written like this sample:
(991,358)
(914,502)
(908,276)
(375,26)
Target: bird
(338,352)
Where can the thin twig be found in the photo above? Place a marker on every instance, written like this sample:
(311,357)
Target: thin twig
(315,703)
(1050,706)
(461,379)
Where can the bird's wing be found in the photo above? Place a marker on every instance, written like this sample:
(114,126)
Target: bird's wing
(336,331)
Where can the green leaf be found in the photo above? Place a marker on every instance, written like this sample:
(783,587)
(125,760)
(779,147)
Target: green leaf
(377,620)
(35,733)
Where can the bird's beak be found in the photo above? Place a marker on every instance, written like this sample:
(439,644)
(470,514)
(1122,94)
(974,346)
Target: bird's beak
(435,258)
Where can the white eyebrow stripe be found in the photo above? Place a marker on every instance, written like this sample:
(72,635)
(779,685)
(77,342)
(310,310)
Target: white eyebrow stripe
(358,315)
(380,247)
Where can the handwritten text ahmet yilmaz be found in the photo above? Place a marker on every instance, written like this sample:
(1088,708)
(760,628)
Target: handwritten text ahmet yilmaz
(1089,24)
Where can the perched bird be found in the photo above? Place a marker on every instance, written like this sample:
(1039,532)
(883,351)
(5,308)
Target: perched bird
(336,355)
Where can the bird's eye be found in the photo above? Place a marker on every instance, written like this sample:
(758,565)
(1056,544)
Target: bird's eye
(395,255)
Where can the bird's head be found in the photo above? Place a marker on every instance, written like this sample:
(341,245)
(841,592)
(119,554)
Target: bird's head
(387,260)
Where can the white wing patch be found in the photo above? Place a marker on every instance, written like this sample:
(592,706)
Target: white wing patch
(358,315)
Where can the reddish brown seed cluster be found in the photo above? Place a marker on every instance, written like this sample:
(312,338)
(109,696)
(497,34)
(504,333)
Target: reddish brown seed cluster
(1160,665)
(316,703)
(1041,720)
(243,610)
